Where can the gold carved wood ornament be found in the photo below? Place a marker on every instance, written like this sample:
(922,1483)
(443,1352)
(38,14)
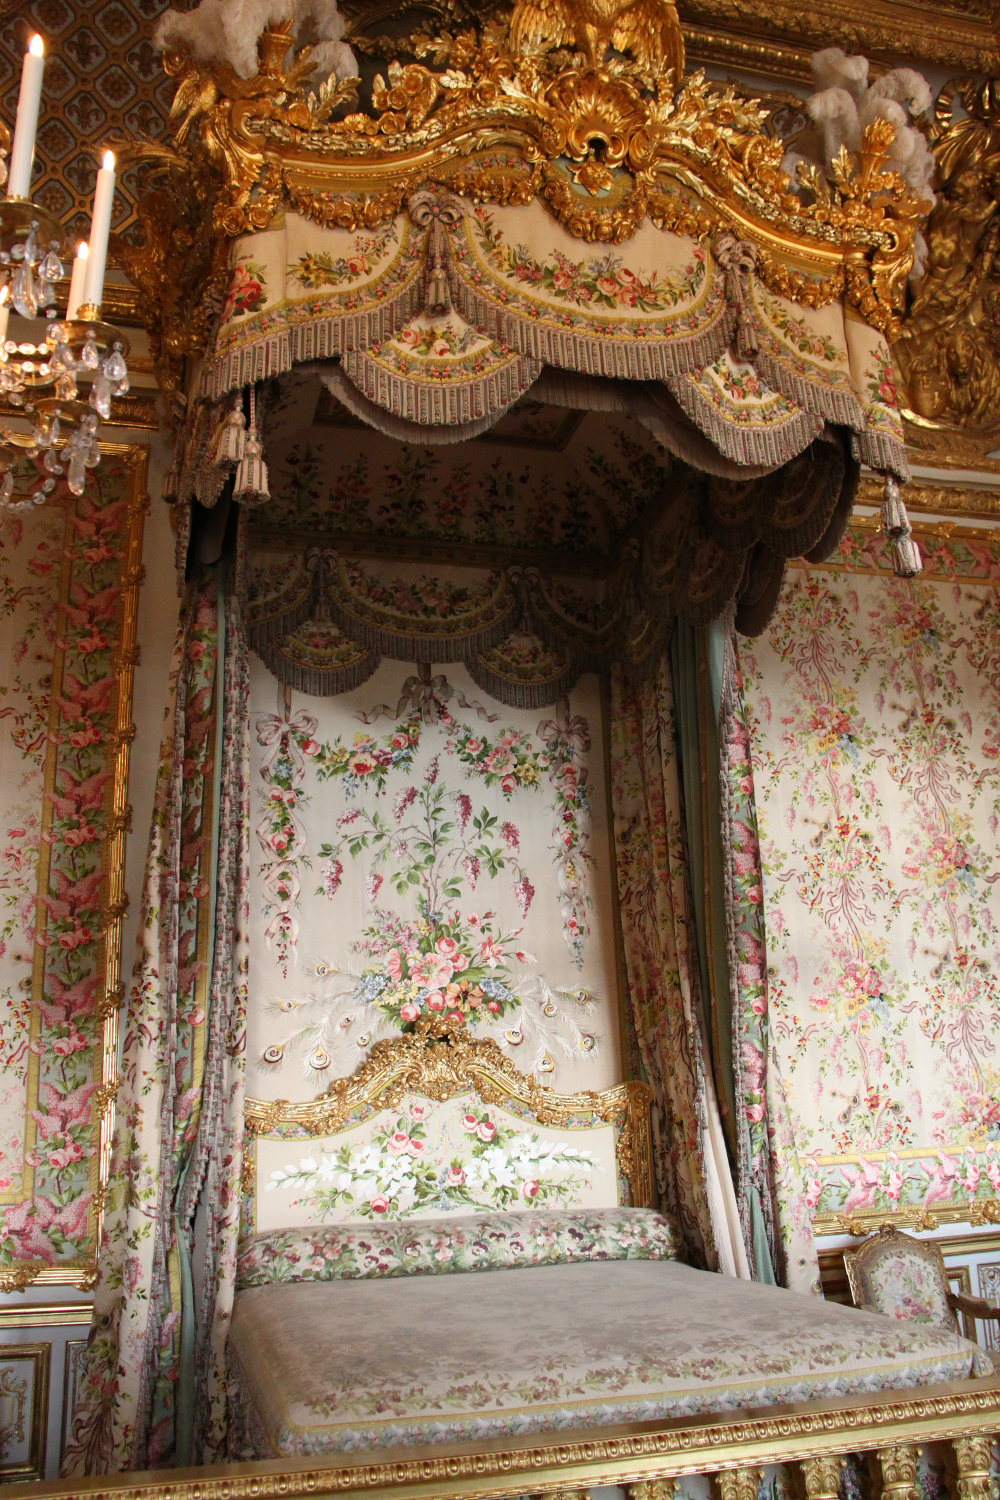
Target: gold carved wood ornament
(583,106)
(441,1063)
(949,355)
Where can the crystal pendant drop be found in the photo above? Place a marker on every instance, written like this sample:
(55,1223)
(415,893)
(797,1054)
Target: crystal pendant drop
(51,268)
(7,488)
(100,396)
(23,291)
(77,477)
(114,366)
(89,357)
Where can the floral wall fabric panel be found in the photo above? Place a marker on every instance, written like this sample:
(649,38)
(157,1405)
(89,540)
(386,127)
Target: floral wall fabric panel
(69,576)
(423,848)
(874,713)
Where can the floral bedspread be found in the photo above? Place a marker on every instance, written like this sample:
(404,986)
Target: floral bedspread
(355,1364)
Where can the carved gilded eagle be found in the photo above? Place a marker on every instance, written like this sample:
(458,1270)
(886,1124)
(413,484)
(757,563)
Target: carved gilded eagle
(649,29)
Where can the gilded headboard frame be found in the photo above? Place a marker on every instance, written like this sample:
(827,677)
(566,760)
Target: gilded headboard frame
(454,1063)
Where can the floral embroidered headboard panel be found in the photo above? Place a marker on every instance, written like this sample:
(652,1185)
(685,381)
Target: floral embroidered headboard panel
(434,1124)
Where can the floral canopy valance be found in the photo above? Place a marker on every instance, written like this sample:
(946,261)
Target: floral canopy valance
(532,208)
(447,315)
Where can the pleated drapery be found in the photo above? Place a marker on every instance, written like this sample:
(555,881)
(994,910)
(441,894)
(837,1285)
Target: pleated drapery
(151,1389)
(661,970)
(721,829)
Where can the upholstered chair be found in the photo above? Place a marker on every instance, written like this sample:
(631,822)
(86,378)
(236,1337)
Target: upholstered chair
(894,1274)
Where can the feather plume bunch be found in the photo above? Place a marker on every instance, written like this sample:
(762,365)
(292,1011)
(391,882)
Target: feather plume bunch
(227,31)
(845,103)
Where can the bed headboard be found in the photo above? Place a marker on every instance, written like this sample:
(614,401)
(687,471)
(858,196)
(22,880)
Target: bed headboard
(433,1124)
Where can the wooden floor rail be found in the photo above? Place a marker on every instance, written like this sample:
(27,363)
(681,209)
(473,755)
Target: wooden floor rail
(645,1459)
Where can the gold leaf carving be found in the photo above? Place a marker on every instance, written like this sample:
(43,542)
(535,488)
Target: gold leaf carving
(949,356)
(441,1063)
(505,112)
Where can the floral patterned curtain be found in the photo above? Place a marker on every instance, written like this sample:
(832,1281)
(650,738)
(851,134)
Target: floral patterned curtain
(180,1102)
(660,963)
(747,975)
(721,829)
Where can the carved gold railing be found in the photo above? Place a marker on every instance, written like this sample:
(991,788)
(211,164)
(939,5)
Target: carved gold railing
(645,1459)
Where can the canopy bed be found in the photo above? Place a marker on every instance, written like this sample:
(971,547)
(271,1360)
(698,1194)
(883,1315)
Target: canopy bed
(552,319)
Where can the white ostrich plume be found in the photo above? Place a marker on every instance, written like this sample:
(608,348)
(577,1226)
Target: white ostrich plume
(229,30)
(845,103)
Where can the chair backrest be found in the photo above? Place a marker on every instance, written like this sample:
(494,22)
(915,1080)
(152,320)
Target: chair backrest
(904,1278)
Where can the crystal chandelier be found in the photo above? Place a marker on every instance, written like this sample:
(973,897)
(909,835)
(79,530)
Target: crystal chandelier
(42,381)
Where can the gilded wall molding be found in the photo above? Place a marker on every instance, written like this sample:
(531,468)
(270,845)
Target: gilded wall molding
(959,40)
(966,501)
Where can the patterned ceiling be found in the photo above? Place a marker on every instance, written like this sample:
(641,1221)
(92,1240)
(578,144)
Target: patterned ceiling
(103,82)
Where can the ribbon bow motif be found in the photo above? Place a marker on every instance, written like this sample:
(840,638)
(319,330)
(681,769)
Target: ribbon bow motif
(438,211)
(279,732)
(738,259)
(572,736)
(429,697)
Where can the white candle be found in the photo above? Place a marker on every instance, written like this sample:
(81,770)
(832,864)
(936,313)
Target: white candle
(22,154)
(76,284)
(4,316)
(100,228)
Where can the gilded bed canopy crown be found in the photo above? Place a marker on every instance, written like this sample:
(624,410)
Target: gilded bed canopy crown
(580,104)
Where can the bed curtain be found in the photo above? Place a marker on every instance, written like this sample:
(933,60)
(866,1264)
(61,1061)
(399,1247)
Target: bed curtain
(152,1386)
(720,820)
(662,970)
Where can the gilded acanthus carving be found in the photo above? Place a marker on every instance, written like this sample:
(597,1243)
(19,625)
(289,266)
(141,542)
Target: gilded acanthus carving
(739,1484)
(440,1062)
(898,1466)
(973,1456)
(822,1476)
(949,355)
(504,111)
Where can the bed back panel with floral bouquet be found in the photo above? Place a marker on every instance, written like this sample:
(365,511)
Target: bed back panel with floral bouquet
(435,872)
(438,1122)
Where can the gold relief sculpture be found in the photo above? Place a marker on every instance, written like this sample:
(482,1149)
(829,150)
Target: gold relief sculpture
(649,29)
(504,111)
(439,1062)
(973,1455)
(821,1477)
(13,1397)
(739,1484)
(898,1466)
(949,354)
